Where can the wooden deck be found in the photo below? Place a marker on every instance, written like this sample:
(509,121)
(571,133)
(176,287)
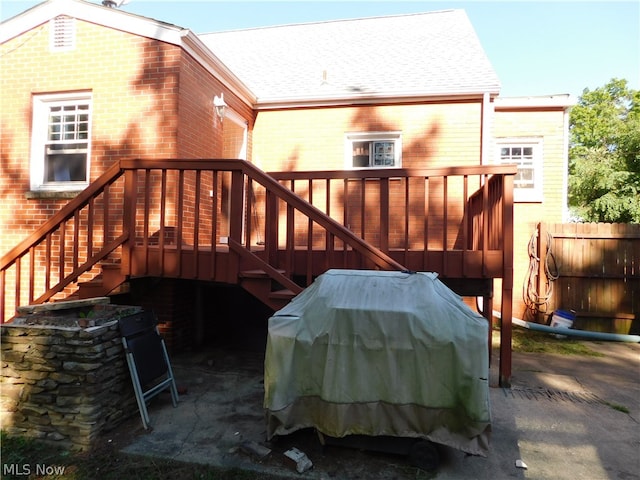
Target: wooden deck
(227,221)
(186,262)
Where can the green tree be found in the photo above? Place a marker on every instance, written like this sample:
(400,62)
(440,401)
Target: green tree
(604,154)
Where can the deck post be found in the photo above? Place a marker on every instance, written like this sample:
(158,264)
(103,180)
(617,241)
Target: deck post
(271,228)
(129,219)
(384,214)
(507,282)
(236,219)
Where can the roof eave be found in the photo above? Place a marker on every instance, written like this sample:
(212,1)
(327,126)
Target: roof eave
(560,101)
(198,50)
(130,23)
(370,99)
(89,12)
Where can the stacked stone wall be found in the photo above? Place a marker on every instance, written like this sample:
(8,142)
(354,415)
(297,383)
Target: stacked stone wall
(64,384)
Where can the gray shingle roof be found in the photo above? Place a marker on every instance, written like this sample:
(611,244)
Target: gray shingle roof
(427,54)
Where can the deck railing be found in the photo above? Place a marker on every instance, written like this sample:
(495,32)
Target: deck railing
(449,220)
(66,248)
(191,213)
(177,218)
(208,219)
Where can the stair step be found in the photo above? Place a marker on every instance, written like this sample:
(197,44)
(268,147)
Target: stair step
(285,294)
(256,274)
(110,266)
(110,281)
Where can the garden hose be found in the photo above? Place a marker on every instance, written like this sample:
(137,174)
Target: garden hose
(535,302)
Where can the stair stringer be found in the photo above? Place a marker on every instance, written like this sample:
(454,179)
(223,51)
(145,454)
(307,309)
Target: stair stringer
(262,278)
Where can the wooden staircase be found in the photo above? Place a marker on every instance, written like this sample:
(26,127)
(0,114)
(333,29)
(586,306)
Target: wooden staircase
(258,283)
(262,286)
(110,281)
(227,221)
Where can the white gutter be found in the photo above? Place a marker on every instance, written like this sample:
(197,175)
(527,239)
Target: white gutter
(565,173)
(362,99)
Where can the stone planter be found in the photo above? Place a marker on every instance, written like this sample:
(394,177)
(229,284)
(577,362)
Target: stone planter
(64,376)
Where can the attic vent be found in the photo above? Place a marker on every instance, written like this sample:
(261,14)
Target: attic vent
(63,33)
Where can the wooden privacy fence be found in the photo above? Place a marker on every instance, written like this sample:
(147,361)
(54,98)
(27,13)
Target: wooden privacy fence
(595,270)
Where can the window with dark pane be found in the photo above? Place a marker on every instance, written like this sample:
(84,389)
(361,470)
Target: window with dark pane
(374,150)
(361,154)
(67,143)
(383,154)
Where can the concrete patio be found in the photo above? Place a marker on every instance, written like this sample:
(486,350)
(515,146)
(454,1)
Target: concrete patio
(565,417)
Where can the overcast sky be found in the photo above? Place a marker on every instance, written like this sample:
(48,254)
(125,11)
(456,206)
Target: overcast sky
(536,48)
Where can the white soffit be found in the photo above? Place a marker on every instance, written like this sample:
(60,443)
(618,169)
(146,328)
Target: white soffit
(545,101)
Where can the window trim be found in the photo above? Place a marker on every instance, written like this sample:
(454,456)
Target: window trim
(523,195)
(41,104)
(390,136)
(237,119)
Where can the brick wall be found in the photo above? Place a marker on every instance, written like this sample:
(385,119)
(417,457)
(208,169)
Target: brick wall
(133,84)
(150,100)
(174,303)
(433,134)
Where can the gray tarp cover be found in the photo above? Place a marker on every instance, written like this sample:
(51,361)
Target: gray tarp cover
(379,353)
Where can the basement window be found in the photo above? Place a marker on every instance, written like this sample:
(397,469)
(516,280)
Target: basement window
(62,33)
(373,150)
(60,142)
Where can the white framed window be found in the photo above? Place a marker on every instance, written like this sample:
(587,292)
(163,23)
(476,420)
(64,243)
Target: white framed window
(60,141)
(373,150)
(526,153)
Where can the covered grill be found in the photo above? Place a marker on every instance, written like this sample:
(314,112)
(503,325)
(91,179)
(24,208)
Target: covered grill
(379,354)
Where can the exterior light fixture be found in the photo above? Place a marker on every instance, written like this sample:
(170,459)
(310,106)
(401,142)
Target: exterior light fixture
(220,106)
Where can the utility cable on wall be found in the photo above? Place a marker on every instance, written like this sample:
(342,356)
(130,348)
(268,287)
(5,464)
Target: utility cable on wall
(33,34)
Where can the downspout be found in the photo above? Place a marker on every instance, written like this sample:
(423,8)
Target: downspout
(565,175)
(486,130)
(587,334)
